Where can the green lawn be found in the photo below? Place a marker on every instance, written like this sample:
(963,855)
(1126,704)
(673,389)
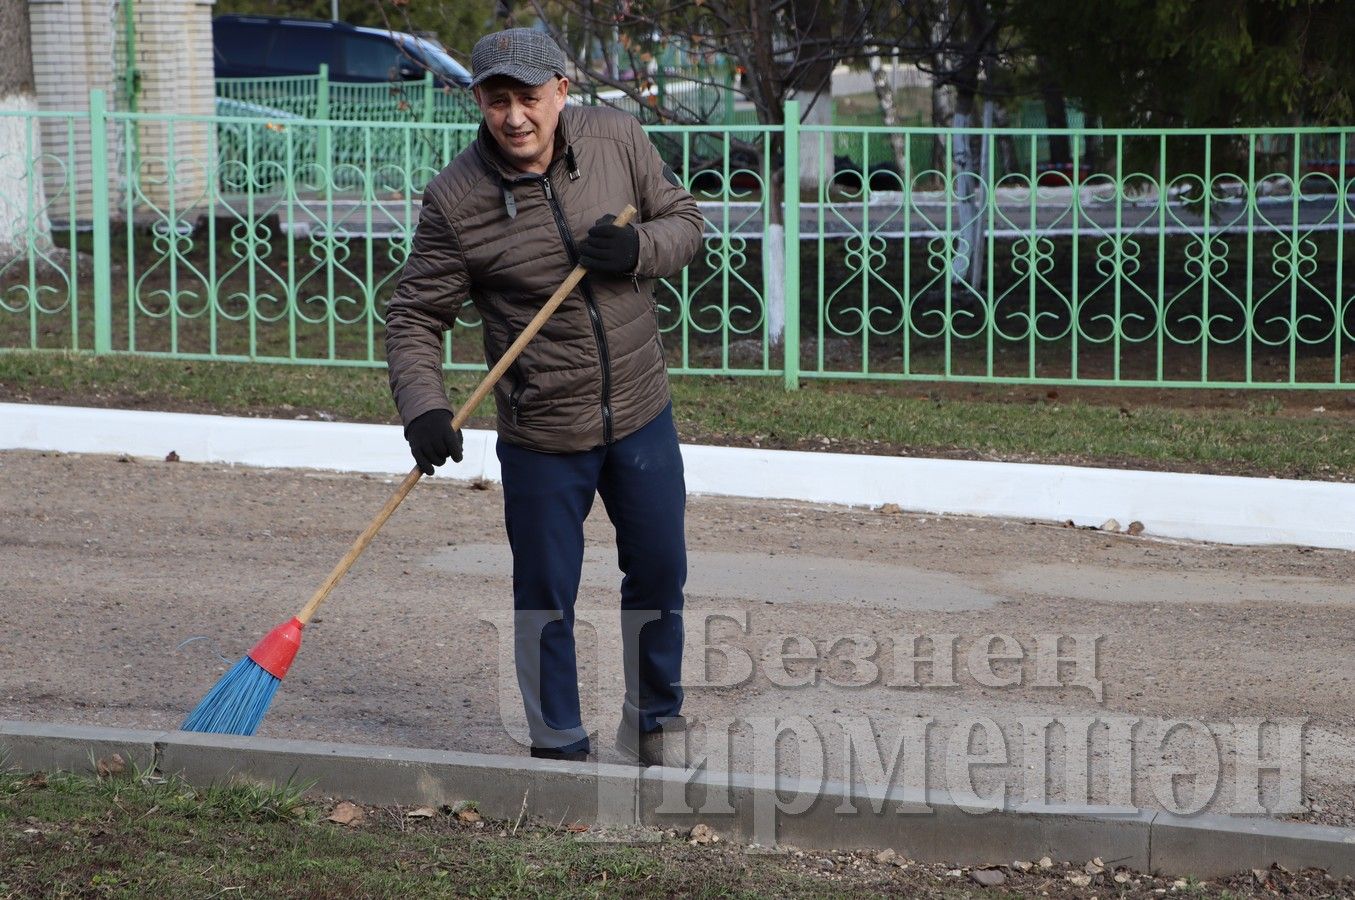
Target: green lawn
(1290,434)
(139,834)
(67,836)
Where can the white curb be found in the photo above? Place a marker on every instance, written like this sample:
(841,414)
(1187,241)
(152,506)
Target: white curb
(1198,507)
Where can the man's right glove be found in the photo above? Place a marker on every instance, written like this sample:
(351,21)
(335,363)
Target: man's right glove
(432,439)
(610,247)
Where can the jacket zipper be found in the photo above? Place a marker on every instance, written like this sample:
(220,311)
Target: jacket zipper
(594,317)
(519,382)
(514,401)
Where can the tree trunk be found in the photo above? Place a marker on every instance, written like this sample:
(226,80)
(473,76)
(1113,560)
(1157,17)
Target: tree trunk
(767,89)
(1000,91)
(23,218)
(1056,116)
(969,164)
(766,85)
(982,198)
(943,88)
(943,115)
(816,148)
(813,87)
(16,65)
(884,92)
(1006,145)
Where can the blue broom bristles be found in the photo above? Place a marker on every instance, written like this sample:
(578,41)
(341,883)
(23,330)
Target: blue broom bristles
(238,702)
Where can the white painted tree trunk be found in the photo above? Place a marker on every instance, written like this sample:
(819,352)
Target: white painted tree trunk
(943,92)
(884,92)
(979,202)
(774,281)
(23,218)
(971,198)
(816,166)
(816,148)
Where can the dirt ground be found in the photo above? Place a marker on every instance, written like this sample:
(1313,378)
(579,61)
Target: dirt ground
(110,569)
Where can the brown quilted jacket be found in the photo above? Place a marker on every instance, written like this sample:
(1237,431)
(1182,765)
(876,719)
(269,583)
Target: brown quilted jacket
(505,240)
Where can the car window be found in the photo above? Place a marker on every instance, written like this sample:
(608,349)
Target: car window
(301,49)
(238,44)
(370,57)
(444,65)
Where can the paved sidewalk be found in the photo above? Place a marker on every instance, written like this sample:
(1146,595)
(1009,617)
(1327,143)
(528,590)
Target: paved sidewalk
(107,568)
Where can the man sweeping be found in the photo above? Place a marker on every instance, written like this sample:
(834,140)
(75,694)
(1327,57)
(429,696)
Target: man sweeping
(585,410)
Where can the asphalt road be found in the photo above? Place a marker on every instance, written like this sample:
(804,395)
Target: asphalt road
(126,588)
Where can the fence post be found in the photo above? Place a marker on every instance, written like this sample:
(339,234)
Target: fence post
(322,113)
(425,145)
(428,89)
(98,175)
(322,93)
(729,94)
(790,199)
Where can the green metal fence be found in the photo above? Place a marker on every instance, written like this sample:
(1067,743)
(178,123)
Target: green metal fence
(1191,258)
(284,102)
(317,97)
(42,271)
(1166,258)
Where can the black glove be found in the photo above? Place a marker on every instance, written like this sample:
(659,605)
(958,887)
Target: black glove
(432,439)
(610,248)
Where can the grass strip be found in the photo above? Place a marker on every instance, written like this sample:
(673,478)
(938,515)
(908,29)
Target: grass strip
(140,835)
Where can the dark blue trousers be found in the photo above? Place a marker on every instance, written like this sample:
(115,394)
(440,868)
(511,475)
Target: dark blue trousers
(547,496)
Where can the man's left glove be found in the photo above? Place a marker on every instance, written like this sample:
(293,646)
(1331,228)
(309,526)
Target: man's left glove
(610,248)
(432,439)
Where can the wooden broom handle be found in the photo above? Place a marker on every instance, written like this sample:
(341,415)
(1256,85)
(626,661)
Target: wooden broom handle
(467,408)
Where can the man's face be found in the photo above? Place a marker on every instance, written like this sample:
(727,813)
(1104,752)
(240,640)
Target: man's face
(522,118)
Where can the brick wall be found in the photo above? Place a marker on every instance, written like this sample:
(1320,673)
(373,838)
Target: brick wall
(72,54)
(79,45)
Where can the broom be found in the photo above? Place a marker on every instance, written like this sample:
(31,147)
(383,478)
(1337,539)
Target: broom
(240,700)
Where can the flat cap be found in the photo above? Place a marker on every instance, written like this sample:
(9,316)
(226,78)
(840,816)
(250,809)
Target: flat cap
(524,54)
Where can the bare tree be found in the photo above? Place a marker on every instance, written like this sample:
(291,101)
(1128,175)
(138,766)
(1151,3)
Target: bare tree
(16,67)
(968,49)
(884,93)
(783,48)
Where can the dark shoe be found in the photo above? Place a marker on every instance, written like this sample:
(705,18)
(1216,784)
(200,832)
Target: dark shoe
(555,753)
(665,746)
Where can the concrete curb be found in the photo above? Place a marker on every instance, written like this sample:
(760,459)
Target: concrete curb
(1171,504)
(745,808)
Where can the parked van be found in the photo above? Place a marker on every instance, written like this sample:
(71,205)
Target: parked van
(261,46)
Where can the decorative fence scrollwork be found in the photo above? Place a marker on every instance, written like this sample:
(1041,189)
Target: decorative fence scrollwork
(1172,258)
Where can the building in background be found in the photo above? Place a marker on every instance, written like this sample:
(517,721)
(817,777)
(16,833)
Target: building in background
(82,45)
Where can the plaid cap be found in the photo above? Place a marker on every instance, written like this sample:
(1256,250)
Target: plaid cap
(524,54)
